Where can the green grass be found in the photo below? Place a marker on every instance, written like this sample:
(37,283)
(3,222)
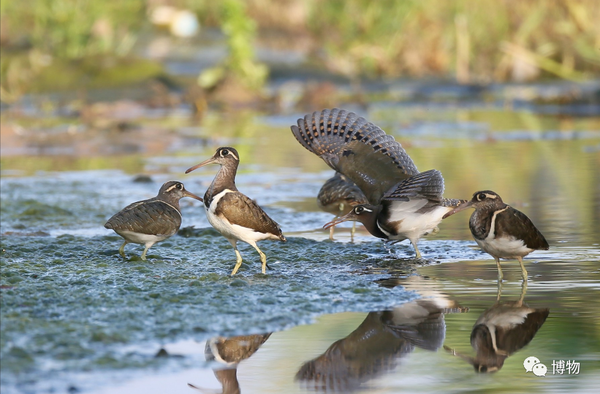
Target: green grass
(473,41)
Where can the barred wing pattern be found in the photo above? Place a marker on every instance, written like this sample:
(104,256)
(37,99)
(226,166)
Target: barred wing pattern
(146,217)
(360,150)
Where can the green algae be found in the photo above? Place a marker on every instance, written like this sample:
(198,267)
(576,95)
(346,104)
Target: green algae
(88,308)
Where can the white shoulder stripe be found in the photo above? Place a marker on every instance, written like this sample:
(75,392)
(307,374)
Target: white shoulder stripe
(164,202)
(492,233)
(382,230)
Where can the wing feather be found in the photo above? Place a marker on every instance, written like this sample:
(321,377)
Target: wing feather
(358,149)
(521,228)
(428,185)
(146,217)
(243,211)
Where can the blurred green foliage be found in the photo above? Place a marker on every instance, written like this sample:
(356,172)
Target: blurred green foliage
(502,39)
(472,41)
(74,28)
(240,31)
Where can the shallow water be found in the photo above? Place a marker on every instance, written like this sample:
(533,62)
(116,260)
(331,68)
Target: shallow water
(76,316)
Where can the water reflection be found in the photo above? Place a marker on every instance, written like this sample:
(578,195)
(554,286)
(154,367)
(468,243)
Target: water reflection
(229,352)
(502,330)
(377,344)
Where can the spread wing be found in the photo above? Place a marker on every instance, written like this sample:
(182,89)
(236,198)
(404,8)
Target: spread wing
(241,210)
(358,149)
(428,185)
(146,217)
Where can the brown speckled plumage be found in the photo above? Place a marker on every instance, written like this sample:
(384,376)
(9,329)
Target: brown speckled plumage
(152,220)
(234,215)
(402,202)
(343,140)
(339,194)
(501,230)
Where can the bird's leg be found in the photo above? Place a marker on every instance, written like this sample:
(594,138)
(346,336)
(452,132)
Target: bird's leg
(145,251)
(122,249)
(499,293)
(523,270)
(523,291)
(499,269)
(238,261)
(352,231)
(331,232)
(263,258)
(414,244)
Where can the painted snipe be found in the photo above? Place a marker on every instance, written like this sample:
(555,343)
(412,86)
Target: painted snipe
(403,203)
(501,230)
(150,221)
(338,196)
(234,215)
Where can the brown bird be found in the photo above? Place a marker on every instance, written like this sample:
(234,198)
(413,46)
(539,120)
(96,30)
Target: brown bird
(150,221)
(403,202)
(230,352)
(501,230)
(502,330)
(376,345)
(338,196)
(234,215)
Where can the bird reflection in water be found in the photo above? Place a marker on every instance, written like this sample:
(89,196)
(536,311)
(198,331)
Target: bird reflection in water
(377,344)
(230,352)
(502,330)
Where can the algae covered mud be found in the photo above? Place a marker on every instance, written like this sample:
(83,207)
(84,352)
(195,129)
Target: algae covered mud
(343,316)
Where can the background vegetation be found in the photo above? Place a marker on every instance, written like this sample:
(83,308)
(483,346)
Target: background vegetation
(473,41)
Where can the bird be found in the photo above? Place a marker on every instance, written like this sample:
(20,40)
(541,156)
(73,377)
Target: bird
(229,352)
(502,330)
(501,230)
(376,346)
(233,214)
(150,221)
(402,202)
(338,196)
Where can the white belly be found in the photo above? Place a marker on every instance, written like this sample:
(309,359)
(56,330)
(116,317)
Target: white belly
(504,248)
(143,239)
(413,225)
(229,230)
(505,316)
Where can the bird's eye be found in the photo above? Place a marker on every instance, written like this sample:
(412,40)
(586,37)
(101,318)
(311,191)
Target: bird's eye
(358,210)
(180,186)
(224,152)
(481,197)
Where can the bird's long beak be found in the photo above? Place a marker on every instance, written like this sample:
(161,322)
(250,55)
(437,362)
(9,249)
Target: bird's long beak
(349,216)
(468,359)
(459,208)
(192,195)
(205,162)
